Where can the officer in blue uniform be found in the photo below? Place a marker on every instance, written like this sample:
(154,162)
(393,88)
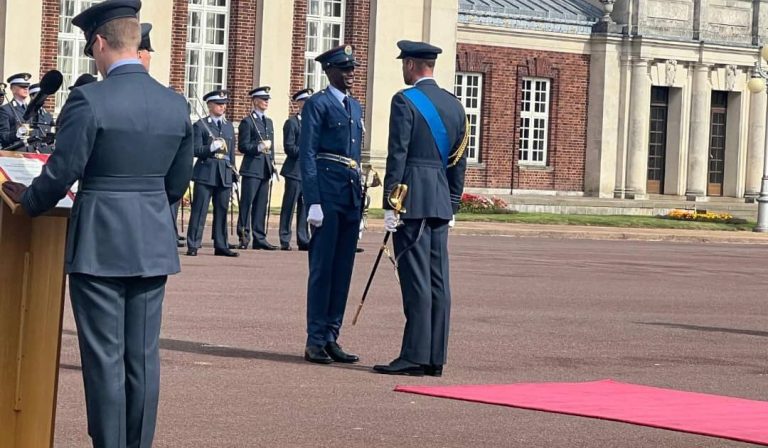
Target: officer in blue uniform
(329,156)
(213,175)
(255,136)
(292,198)
(12,111)
(42,122)
(427,142)
(129,142)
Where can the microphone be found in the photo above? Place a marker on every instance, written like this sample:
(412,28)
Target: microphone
(49,84)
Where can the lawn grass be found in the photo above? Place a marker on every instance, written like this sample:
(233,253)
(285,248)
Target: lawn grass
(626,221)
(651,222)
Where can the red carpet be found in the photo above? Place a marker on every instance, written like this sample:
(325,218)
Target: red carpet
(709,415)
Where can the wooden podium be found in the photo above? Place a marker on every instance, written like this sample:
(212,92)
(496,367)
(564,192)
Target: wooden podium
(31,303)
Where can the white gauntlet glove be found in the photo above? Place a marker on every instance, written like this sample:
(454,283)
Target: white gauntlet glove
(391,220)
(315,215)
(275,177)
(452,222)
(216,145)
(265,146)
(21,132)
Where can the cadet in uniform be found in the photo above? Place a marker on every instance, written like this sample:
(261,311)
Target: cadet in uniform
(11,112)
(129,141)
(213,174)
(427,139)
(42,122)
(329,155)
(145,46)
(255,136)
(292,175)
(145,56)
(85,78)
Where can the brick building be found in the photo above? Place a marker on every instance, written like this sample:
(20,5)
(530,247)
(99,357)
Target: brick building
(610,98)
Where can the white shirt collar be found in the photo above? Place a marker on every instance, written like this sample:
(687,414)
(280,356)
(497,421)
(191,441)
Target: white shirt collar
(19,102)
(216,119)
(423,79)
(338,94)
(258,113)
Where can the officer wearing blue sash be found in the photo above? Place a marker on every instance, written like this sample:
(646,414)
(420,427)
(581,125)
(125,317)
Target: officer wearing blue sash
(427,142)
(255,136)
(329,156)
(11,130)
(213,175)
(292,198)
(129,142)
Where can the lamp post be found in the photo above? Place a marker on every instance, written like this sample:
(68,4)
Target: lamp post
(757,85)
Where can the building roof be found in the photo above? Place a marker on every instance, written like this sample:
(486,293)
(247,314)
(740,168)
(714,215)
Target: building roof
(575,16)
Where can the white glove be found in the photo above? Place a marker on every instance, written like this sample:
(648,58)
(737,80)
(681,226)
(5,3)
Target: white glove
(275,177)
(216,145)
(21,132)
(391,220)
(265,145)
(452,222)
(315,215)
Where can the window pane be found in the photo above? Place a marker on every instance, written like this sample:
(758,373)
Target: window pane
(207,48)
(325,30)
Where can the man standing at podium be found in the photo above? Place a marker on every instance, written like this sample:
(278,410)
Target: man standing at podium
(128,139)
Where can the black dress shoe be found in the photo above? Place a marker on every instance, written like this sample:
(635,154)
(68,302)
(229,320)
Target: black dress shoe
(316,354)
(180,243)
(232,246)
(182,238)
(192,252)
(288,248)
(400,367)
(303,247)
(225,253)
(434,370)
(264,246)
(359,249)
(242,246)
(337,354)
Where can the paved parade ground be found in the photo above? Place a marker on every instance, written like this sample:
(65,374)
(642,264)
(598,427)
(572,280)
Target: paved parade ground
(678,315)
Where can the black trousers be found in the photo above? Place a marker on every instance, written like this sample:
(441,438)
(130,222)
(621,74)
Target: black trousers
(200,200)
(118,330)
(253,210)
(421,248)
(292,198)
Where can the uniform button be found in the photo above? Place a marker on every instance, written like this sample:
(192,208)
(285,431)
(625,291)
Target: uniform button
(353,140)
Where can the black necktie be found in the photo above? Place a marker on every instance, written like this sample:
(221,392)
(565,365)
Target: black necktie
(346,105)
(264,121)
(218,125)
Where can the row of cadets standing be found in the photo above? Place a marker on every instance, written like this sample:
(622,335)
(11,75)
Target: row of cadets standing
(10,129)
(255,136)
(291,172)
(213,175)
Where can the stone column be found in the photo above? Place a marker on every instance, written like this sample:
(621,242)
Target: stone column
(698,149)
(603,116)
(755,145)
(639,122)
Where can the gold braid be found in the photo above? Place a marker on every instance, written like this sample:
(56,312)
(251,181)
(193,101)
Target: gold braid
(456,156)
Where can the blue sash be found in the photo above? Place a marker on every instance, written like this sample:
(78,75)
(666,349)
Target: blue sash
(433,119)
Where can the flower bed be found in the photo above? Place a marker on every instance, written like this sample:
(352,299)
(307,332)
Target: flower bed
(702,216)
(475,203)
